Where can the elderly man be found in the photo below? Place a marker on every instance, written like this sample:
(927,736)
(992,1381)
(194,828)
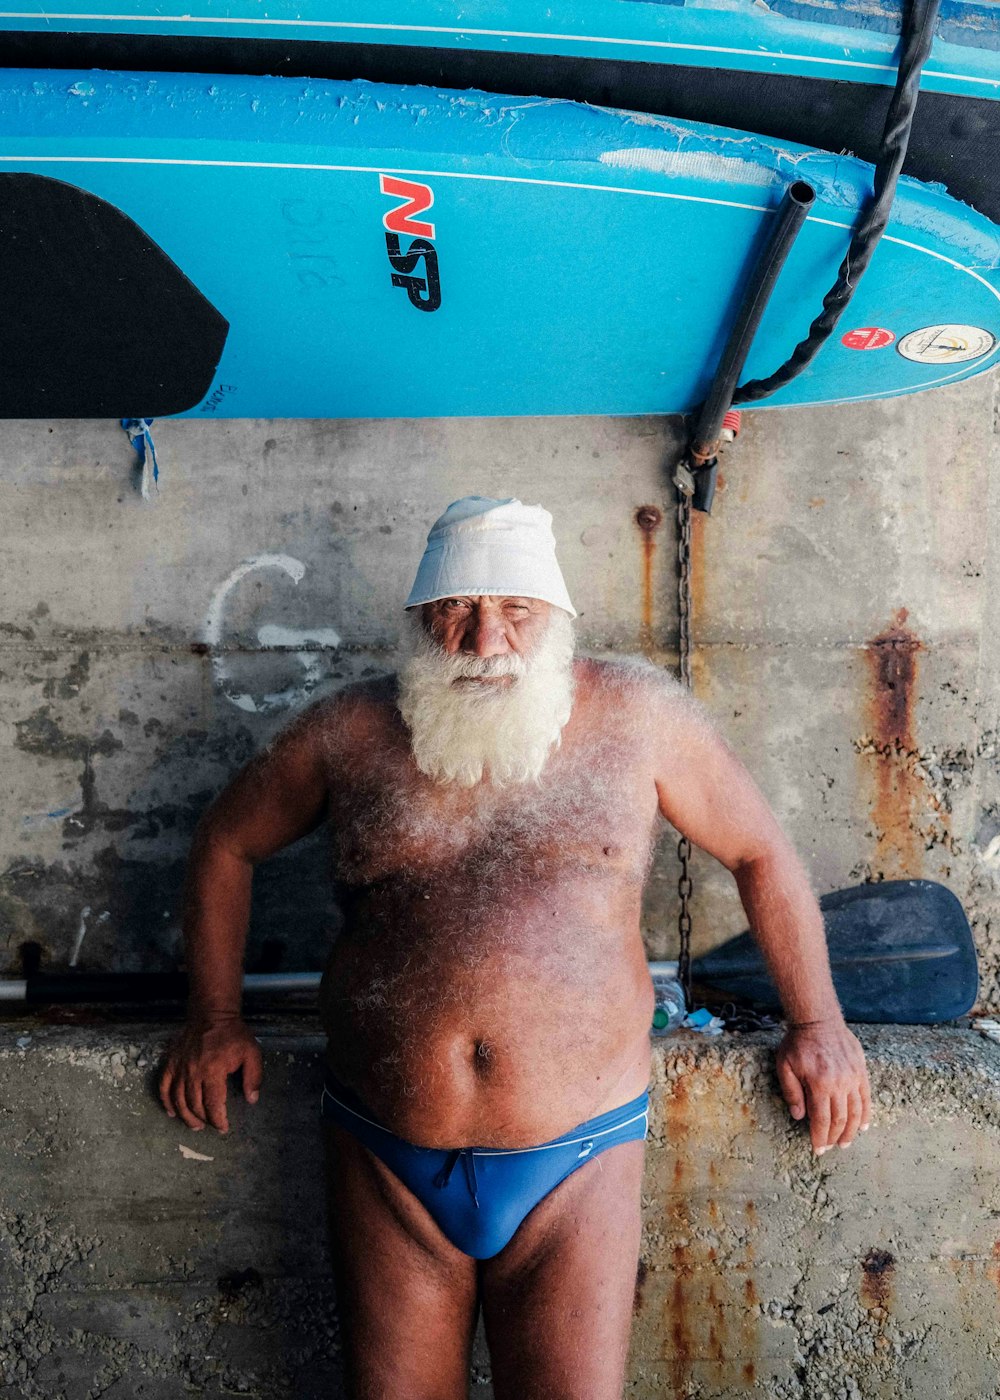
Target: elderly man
(492,812)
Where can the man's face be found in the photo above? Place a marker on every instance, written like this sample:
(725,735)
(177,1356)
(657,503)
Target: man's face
(487,626)
(487,687)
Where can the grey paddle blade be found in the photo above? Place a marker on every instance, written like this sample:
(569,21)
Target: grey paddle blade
(901,952)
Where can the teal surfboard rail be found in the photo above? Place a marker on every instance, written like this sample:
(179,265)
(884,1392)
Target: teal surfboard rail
(277,247)
(856,42)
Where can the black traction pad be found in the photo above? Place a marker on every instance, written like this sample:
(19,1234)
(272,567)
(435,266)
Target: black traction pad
(98,321)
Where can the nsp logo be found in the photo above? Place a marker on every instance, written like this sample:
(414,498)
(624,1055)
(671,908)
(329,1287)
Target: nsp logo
(424,292)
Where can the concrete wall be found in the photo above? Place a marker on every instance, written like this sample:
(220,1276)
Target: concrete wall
(845,642)
(131,1271)
(846,646)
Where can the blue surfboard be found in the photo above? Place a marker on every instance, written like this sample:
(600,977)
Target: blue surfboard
(845,41)
(796,70)
(272,247)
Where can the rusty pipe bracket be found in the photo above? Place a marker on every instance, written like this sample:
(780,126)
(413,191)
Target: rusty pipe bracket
(704,487)
(696,480)
(703,454)
(703,472)
(683,478)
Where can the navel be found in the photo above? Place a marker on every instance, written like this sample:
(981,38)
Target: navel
(483,1057)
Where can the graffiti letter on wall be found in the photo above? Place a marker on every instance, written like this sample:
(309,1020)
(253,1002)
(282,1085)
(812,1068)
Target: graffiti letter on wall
(271,637)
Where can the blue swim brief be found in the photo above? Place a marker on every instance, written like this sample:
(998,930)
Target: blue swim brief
(480,1195)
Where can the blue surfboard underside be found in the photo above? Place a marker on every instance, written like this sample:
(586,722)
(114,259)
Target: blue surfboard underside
(326,249)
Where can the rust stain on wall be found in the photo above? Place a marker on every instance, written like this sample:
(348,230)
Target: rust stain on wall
(893,659)
(890,749)
(699,523)
(679,1328)
(708,1317)
(993,1269)
(719,1348)
(649,519)
(965,1268)
(676,1323)
(749,1342)
(641,1275)
(877,1279)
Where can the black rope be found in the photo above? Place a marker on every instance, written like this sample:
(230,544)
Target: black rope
(917,37)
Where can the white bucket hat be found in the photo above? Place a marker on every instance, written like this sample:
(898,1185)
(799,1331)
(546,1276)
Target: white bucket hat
(481,546)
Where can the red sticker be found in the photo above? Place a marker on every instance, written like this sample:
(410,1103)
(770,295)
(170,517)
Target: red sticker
(867,338)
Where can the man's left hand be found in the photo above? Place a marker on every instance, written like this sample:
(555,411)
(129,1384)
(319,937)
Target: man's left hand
(821,1069)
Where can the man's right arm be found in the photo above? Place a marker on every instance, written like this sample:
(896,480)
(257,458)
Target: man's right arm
(278,798)
(709,796)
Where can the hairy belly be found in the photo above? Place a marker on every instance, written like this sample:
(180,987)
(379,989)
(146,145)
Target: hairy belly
(466,1026)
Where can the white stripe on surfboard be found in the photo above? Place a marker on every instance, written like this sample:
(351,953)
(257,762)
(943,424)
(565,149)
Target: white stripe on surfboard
(382,169)
(256,22)
(917,248)
(528,180)
(475,175)
(469,175)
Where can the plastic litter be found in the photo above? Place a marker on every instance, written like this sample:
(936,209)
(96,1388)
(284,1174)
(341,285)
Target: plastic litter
(704,1022)
(141,438)
(987,1026)
(670,1008)
(670,1012)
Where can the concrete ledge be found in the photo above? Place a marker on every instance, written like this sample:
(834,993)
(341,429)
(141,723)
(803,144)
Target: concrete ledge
(130,1269)
(870,1272)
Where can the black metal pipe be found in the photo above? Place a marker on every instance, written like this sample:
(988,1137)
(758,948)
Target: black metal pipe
(919,24)
(792,211)
(48,988)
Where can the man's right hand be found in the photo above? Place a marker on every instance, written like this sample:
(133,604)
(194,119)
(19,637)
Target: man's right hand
(199,1062)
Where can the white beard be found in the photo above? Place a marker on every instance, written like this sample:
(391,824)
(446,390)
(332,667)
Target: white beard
(459,733)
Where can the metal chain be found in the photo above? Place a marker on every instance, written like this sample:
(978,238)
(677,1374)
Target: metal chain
(684,482)
(684,494)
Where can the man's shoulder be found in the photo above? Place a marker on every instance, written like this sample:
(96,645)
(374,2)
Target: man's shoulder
(361,701)
(352,712)
(629,679)
(370,694)
(642,701)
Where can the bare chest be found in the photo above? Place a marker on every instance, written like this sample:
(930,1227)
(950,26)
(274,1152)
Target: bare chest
(594,810)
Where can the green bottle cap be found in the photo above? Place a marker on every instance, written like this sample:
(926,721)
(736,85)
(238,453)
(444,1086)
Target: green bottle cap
(660,1019)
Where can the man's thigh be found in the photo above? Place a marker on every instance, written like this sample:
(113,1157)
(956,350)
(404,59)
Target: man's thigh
(406,1296)
(557,1301)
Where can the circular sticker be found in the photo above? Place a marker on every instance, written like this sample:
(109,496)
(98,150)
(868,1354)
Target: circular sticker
(867,338)
(946,345)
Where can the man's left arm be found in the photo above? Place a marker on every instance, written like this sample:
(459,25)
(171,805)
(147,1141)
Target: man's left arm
(708,795)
